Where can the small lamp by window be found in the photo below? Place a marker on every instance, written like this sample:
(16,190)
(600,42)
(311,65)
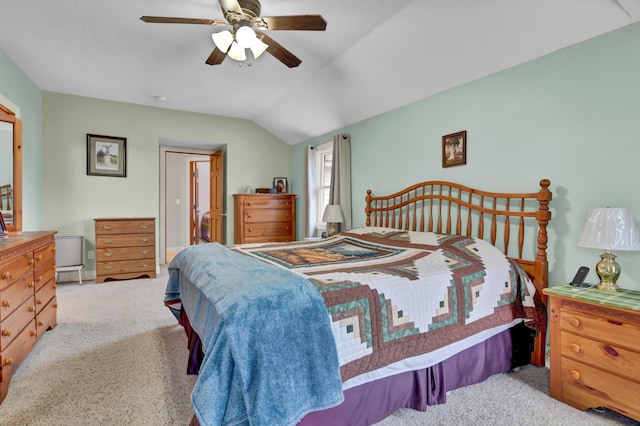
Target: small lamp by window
(609,229)
(334,217)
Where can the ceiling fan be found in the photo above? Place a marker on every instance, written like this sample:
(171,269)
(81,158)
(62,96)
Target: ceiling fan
(246,32)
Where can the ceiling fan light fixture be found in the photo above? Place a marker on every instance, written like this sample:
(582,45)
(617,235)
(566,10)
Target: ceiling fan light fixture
(258,48)
(245,36)
(223,40)
(236,52)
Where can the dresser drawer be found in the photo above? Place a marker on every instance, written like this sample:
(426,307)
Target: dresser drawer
(48,317)
(125,240)
(611,358)
(272,216)
(16,352)
(126,266)
(605,328)
(11,297)
(45,294)
(266,202)
(44,255)
(44,274)
(268,230)
(14,269)
(11,327)
(129,226)
(125,253)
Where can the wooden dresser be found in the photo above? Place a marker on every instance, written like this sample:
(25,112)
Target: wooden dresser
(28,303)
(260,218)
(125,248)
(595,348)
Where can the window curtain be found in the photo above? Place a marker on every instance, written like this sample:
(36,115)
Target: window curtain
(310,207)
(340,192)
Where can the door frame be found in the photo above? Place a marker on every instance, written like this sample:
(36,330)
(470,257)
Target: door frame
(162,223)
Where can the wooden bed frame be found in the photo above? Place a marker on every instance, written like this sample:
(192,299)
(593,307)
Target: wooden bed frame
(450,208)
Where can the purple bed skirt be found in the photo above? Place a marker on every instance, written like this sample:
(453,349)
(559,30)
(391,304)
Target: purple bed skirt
(372,402)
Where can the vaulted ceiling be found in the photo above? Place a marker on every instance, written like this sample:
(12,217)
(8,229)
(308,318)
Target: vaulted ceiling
(375,55)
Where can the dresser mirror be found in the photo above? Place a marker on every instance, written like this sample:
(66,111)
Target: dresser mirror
(10,169)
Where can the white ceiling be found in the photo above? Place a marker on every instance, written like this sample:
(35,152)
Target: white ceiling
(376,55)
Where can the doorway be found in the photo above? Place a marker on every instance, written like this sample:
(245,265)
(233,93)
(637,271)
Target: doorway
(192,182)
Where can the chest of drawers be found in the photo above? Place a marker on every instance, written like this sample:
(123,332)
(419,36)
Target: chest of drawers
(125,248)
(28,305)
(262,218)
(595,349)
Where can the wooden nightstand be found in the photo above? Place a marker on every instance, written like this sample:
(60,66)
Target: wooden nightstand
(595,348)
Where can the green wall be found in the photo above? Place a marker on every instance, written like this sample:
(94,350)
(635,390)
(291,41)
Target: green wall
(72,199)
(569,117)
(16,87)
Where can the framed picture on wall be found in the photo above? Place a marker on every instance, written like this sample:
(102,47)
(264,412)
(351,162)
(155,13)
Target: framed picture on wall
(280,185)
(454,149)
(3,227)
(106,156)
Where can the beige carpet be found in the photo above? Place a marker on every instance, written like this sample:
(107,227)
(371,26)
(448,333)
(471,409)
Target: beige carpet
(118,356)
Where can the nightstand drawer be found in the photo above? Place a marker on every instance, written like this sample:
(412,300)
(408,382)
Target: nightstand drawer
(606,328)
(585,386)
(608,357)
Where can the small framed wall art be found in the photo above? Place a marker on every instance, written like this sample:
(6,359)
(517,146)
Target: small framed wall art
(106,156)
(454,149)
(280,185)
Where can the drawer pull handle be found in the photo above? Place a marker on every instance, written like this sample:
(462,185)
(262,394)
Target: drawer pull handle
(107,241)
(31,284)
(33,333)
(107,227)
(39,278)
(7,362)
(6,275)
(609,350)
(55,306)
(143,226)
(40,323)
(144,240)
(575,374)
(6,303)
(38,302)
(31,261)
(6,332)
(144,252)
(145,265)
(31,308)
(108,267)
(108,255)
(614,322)
(575,347)
(574,322)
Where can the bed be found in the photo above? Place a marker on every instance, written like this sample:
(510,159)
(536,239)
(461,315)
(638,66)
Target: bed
(440,289)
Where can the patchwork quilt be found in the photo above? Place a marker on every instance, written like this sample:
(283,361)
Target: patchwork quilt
(394,295)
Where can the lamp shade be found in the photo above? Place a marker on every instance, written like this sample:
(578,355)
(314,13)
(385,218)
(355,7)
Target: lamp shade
(610,229)
(222,40)
(333,214)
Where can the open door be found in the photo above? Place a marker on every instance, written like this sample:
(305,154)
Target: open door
(216,212)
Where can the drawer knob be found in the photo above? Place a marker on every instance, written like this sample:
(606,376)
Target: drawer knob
(107,227)
(31,262)
(575,374)
(39,278)
(40,323)
(31,284)
(33,333)
(31,308)
(6,332)
(144,240)
(144,252)
(143,226)
(107,241)
(6,275)
(108,254)
(575,322)
(575,347)
(6,303)
(108,267)
(7,362)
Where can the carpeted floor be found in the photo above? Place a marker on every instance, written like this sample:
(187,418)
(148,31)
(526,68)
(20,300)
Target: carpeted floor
(117,357)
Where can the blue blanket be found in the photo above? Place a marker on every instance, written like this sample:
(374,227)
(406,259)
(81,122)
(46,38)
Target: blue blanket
(270,356)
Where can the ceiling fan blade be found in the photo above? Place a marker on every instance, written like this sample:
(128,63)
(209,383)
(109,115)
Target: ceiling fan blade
(293,22)
(216,57)
(170,20)
(279,52)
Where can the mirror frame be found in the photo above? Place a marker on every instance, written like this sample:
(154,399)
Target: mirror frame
(10,117)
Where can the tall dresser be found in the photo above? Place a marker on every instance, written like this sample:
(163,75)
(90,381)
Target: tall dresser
(260,218)
(28,304)
(595,348)
(125,248)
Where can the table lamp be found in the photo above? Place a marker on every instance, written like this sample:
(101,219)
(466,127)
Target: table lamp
(609,229)
(333,216)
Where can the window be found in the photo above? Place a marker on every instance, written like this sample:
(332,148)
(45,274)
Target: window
(324,162)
